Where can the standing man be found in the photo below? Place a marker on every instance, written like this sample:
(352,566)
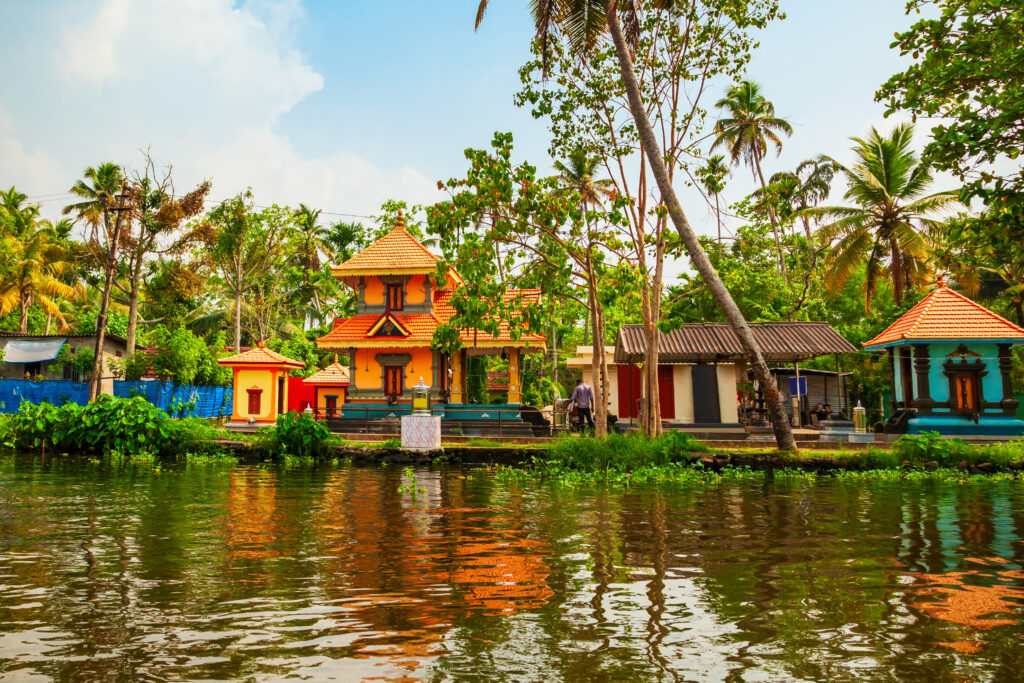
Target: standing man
(583,397)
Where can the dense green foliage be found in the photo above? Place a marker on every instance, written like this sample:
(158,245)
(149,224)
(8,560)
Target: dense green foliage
(123,425)
(296,435)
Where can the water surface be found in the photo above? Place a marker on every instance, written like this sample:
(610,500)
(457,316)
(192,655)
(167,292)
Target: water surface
(130,572)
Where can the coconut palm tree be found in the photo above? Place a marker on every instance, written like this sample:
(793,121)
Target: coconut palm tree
(20,218)
(750,126)
(31,274)
(584,22)
(97,189)
(807,186)
(346,239)
(315,238)
(885,230)
(712,177)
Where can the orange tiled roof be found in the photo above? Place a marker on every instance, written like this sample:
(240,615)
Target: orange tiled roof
(335,373)
(260,355)
(355,330)
(396,252)
(946,314)
(444,311)
(497,380)
(420,326)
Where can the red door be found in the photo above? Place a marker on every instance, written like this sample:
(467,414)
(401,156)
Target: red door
(666,392)
(392,380)
(629,390)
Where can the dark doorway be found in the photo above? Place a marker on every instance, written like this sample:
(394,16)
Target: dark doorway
(907,377)
(280,395)
(705,395)
(332,405)
(666,392)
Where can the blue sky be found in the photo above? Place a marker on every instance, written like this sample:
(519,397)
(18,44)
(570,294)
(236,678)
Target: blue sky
(343,104)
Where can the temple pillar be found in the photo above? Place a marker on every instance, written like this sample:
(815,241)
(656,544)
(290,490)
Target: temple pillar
(1009,402)
(922,366)
(515,389)
(456,362)
(353,390)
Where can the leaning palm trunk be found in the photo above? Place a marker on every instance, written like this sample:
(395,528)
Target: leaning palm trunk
(650,420)
(780,424)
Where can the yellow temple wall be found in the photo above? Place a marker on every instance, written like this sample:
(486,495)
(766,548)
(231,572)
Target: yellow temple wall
(374,292)
(368,371)
(414,293)
(266,380)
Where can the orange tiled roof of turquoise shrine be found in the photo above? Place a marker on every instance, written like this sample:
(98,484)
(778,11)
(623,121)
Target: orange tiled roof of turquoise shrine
(335,374)
(947,315)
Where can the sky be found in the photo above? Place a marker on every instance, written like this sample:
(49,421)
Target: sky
(342,105)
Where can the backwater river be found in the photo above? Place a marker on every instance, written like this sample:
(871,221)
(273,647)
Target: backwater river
(129,572)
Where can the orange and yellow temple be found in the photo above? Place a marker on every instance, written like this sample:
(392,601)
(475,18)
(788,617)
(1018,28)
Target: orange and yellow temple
(388,341)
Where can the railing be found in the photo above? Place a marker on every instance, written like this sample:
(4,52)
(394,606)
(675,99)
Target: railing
(480,412)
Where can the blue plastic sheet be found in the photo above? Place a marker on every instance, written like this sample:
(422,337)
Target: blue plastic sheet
(177,400)
(57,392)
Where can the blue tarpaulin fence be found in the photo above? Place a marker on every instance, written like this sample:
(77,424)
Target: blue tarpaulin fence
(57,392)
(177,400)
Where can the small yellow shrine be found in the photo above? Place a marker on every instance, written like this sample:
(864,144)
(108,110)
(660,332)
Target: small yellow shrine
(388,341)
(260,384)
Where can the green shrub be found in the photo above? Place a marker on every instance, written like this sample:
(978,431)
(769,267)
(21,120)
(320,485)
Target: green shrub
(297,435)
(622,452)
(127,425)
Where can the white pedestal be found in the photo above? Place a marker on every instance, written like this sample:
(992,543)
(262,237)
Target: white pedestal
(421,432)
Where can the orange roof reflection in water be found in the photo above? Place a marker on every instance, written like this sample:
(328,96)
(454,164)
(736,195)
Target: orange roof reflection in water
(252,505)
(502,576)
(957,598)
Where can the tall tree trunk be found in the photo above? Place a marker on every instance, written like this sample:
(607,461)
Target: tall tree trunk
(238,322)
(603,370)
(772,217)
(650,420)
(23,304)
(718,217)
(599,409)
(49,320)
(133,301)
(101,320)
(751,351)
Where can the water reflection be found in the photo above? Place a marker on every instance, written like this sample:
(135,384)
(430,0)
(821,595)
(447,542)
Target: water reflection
(341,574)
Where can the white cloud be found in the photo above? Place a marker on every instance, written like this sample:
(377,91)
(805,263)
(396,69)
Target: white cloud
(203,84)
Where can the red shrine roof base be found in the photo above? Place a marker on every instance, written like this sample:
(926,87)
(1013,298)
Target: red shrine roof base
(363,329)
(947,315)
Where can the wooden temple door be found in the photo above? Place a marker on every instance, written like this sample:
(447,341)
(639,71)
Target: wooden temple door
(965,392)
(393,380)
(907,377)
(629,390)
(254,401)
(666,392)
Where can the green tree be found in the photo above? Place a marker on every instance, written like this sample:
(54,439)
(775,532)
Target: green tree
(30,272)
(748,129)
(584,23)
(885,231)
(712,177)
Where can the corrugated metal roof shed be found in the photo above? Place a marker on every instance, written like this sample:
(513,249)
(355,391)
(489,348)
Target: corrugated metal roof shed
(710,342)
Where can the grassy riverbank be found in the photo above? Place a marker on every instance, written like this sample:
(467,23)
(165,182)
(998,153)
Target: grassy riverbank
(133,429)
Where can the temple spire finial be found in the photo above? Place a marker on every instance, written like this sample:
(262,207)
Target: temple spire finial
(400,221)
(941,283)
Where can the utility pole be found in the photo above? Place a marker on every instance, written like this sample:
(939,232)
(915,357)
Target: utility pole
(101,319)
